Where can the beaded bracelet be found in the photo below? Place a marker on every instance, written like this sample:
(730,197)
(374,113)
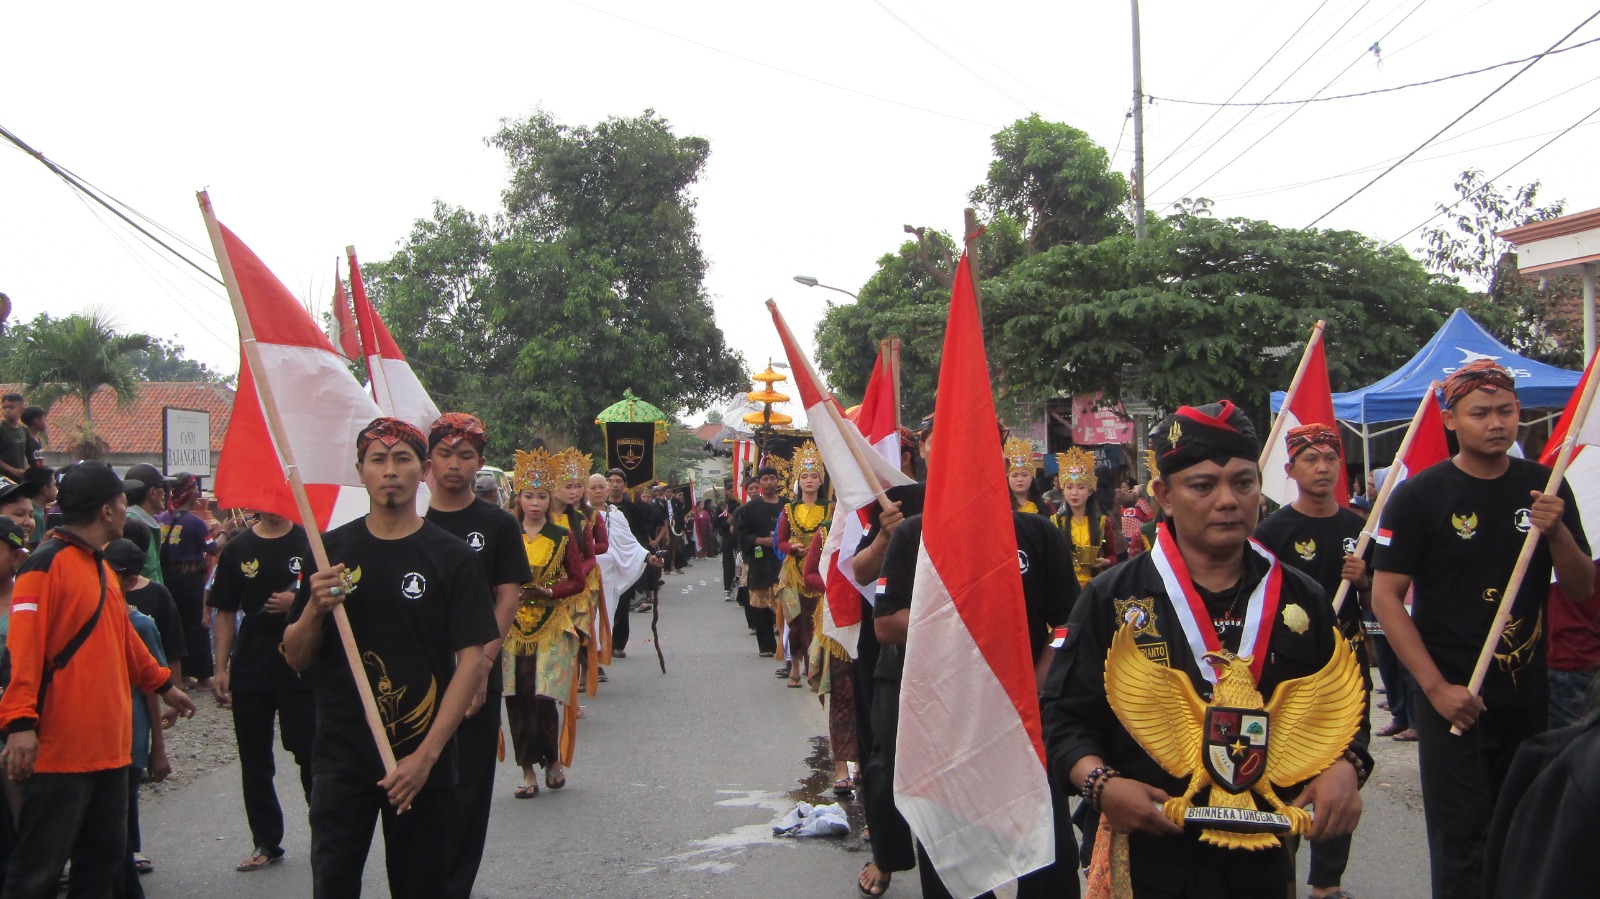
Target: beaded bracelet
(1361,769)
(1095,783)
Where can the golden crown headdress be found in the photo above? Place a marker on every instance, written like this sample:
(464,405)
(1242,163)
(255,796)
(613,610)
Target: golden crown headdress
(570,465)
(1076,466)
(535,470)
(1019,454)
(807,458)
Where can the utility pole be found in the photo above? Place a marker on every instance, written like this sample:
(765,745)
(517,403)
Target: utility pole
(1138,132)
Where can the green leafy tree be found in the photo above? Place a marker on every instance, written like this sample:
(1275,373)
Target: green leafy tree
(1520,311)
(1054,180)
(76,356)
(165,361)
(589,281)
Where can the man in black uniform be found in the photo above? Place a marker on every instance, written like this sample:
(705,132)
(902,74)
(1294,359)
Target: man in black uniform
(641,515)
(754,529)
(420,611)
(1318,536)
(1193,593)
(258,573)
(1455,531)
(455,453)
(722,526)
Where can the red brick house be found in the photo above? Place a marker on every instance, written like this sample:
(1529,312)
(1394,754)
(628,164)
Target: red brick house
(131,433)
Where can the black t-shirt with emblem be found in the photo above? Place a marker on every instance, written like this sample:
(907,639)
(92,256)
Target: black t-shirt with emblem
(154,600)
(496,537)
(1317,546)
(417,601)
(1049,586)
(1458,537)
(250,569)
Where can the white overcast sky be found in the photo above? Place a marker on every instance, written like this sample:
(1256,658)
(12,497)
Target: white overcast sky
(317,125)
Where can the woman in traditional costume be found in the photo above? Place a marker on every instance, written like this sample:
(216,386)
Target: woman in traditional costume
(1025,495)
(831,673)
(569,509)
(543,642)
(1096,537)
(797,526)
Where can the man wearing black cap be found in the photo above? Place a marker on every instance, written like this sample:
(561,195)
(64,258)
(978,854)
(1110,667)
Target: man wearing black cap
(419,609)
(144,504)
(68,711)
(1203,588)
(754,529)
(16,503)
(258,574)
(1453,533)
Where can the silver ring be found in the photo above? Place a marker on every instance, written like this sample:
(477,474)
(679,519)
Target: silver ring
(335,591)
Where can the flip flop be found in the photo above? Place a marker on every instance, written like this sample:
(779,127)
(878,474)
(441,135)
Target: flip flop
(879,885)
(795,685)
(843,787)
(526,791)
(1409,735)
(552,783)
(142,864)
(261,859)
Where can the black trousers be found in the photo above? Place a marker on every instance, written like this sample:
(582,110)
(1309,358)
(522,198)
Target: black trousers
(765,621)
(476,742)
(1461,778)
(254,713)
(729,581)
(344,810)
(1396,681)
(619,619)
(892,846)
(131,888)
(188,589)
(77,817)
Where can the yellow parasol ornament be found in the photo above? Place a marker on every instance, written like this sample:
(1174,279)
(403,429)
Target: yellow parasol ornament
(1076,466)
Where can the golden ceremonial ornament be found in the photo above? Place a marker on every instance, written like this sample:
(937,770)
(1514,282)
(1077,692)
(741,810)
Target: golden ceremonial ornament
(1150,468)
(1019,454)
(1236,748)
(1076,466)
(570,465)
(807,458)
(535,470)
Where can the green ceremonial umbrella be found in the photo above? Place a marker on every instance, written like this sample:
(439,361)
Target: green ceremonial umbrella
(632,409)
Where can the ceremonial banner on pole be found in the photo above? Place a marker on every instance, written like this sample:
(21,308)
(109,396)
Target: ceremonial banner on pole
(1309,401)
(968,698)
(343,331)
(631,446)
(394,384)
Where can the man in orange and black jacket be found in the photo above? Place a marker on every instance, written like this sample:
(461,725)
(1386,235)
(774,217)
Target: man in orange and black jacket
(67,711)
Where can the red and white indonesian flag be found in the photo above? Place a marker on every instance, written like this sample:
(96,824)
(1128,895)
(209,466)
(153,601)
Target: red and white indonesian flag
(1583,472)
(744,462)
(394,384)
(322,406)
(1428,447)
(843,449)
(969,762)
(1311,403)
(876,418)
(342,329)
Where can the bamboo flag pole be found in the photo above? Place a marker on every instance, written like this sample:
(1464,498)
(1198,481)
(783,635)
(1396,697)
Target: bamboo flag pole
(832,408)
(1376,515)
(1288,397)
(1502,615)
(894,375)
(269,407)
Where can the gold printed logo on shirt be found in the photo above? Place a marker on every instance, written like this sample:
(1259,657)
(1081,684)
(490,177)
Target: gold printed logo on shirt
(1296,619)
(1466,525)
(402,724)
(251,568)
(1307,549)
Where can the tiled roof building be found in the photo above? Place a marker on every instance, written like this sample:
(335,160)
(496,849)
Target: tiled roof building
(132,433)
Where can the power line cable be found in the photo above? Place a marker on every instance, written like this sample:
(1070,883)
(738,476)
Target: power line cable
(1381,90)
(1214,113)
(1503,172)
(1473,108)
(952,57)
(791,73)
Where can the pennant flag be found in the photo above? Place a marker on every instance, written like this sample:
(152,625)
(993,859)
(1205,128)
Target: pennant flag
(968,698)
(1309,403)
(744,464)
(842,613)
(394,384)
(839,440)
(1583,472)
(322,405)
(342,329)
(1428,447)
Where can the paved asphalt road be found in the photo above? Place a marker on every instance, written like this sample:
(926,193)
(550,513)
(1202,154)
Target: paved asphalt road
(676,782)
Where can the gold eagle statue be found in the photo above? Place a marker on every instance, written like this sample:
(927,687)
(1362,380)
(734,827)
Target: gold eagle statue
(1312,721)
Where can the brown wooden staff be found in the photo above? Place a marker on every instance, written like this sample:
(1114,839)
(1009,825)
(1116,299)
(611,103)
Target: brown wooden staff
(1502,615)
(1376,515)
(269,407)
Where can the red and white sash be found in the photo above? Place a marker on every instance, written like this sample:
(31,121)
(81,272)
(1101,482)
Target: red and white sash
(1195,619)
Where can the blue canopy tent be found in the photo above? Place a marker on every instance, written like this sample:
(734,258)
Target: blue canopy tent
(1461,340)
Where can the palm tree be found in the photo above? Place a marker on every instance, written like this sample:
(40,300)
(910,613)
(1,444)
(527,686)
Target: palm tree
(76,356)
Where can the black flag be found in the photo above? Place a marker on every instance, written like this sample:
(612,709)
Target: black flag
(631,446)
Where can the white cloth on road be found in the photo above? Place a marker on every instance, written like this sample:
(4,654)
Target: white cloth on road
(806,820)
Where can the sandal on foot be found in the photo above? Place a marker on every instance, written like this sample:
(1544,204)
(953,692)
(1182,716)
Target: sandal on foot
(1388,730)
(843,787)
(142,865)
(261,859)
(794,684)
(783,672)
(1409,735)
(551,782)
(526,791)
(874,886)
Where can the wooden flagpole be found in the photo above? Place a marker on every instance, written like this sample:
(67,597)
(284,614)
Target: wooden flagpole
(831,406)
(1288,397)
(1502,615)
(1376,515)
(894,375)
(269,408)
(971,232)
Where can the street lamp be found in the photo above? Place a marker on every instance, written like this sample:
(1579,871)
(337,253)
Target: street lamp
(809,281)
